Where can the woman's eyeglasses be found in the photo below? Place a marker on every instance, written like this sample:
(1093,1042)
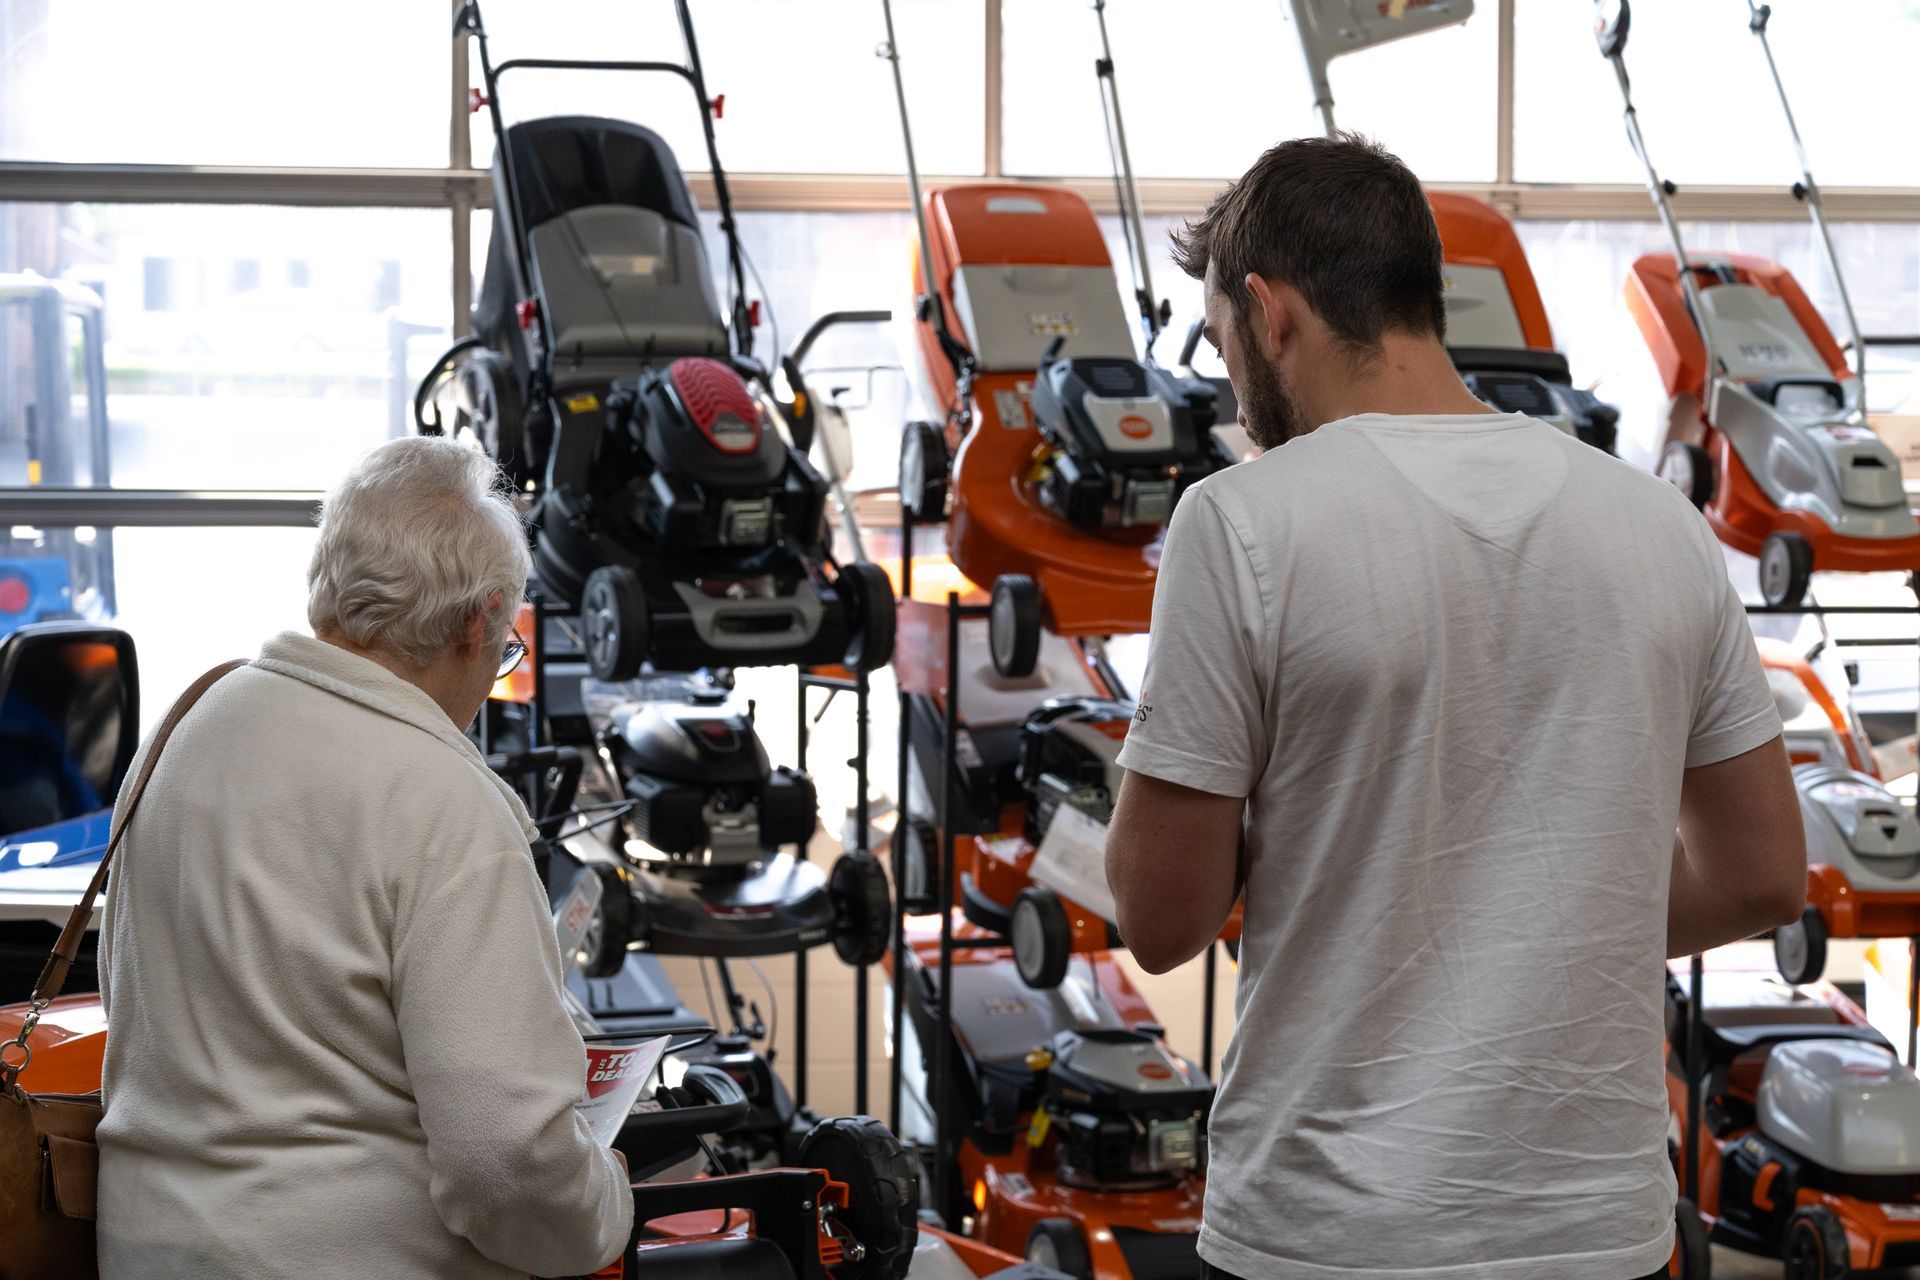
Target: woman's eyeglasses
(510,655)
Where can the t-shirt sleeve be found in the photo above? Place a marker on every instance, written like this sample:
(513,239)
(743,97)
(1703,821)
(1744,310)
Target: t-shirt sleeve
(1735,711)
(1202,716)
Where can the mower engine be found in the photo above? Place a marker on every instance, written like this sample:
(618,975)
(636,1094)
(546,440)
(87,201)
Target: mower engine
(705,796)
(1855,824)
(717,475)
(1846,1105)
(1127,439)
(1069,751)
(1129,1114)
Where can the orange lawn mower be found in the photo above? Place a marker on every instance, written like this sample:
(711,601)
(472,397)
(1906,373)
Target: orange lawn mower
(1779,454)
(1797,1129)
(1063,455)
(1863,843)
(1497,328)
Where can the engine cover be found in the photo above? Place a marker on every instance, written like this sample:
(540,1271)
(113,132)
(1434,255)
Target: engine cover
(708,469)
(1129,439)
(1129,1113)
(1069,752)
(1845,1104)
(1854,823)
(703,791)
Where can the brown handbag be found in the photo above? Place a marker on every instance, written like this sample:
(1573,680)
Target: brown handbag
(49,1166)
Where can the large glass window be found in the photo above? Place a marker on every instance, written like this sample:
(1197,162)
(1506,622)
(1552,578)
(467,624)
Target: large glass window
(1205,93)
(228,82)
(1707,106)
(804,90)
(241,347)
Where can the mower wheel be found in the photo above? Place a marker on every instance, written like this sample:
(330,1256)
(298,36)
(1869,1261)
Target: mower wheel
(862,908)
(920,863)
(1692,1254)
(883,1190)
(613,616)
(923,472)
(1058,1244)
(1800,948)
(1689,468)
(1013,625)
(1815,1246)
(867,594)
(603,952)
(1786,566)
(1042,938)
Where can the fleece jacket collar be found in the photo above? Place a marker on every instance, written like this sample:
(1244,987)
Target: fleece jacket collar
(358,679)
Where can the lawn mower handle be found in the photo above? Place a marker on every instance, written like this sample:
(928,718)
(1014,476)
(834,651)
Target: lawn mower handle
(727,1108)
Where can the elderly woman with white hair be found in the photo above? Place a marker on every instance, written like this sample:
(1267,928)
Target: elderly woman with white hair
(336,1038)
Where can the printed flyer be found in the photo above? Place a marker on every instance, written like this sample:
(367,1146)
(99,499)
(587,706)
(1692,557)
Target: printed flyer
(615,1075)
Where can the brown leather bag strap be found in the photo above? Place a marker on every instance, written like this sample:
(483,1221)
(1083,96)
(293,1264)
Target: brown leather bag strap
(54,976)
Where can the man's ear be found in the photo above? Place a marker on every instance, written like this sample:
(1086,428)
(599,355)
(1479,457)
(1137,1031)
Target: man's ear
(1270,319)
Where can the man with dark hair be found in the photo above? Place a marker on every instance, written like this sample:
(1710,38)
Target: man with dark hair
(1434,686)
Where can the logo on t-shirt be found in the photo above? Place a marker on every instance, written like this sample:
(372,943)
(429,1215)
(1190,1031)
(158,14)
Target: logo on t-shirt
(1145,710)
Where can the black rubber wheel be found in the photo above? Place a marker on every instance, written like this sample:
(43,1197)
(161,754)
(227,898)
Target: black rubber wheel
(1815,1246)
(1689,468)
(1692,1254)
(603,952)
(1800,949)
(920,856)
(1058,1243)
(1013,625)
(862,908)
(613,616)
(1786,566)
(883,1189)
(867,595)
(1042,938)
(923,472)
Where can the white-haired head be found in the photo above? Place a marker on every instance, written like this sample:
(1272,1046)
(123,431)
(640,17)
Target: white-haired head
(419,537)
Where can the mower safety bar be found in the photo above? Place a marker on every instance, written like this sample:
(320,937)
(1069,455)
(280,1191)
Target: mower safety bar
(573,64)
(828,321)
(727,1108)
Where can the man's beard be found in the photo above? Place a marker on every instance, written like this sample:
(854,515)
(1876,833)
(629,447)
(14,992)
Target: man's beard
(1268,410)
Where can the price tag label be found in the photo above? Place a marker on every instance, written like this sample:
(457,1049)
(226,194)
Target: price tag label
(1073,861)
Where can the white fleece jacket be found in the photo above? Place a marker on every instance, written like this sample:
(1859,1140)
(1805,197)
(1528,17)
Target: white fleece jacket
(336,1044)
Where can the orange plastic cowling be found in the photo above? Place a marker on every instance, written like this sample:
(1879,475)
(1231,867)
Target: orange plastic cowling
(1475,234)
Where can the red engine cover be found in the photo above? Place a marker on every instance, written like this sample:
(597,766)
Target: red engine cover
(717,401)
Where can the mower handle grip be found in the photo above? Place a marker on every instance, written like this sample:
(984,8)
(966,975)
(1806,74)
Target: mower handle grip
(726,1108)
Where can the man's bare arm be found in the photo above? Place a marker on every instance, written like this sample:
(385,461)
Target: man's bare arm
(1740,858)
(1173,862)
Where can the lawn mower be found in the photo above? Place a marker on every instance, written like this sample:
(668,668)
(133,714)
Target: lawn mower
(1804,1142)
(1785,465)
(1082,1137)
(687,828)
(671,513)
(1863,843)
(1063,452)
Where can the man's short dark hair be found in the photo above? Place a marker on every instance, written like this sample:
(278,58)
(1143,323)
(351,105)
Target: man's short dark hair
(1341,220)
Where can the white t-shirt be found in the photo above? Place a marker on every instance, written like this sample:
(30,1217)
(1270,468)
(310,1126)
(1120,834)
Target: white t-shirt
(1456,665)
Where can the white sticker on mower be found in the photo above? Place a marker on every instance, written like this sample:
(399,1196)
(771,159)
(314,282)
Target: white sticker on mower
(1011,407)
(1902,1212)
(1073,860)
(575,915)
(1016,1185)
